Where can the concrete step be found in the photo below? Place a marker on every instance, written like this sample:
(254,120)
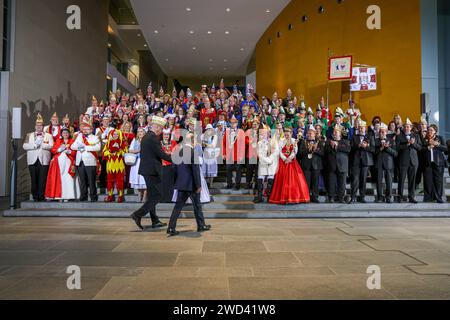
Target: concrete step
(233,205)
(318,212)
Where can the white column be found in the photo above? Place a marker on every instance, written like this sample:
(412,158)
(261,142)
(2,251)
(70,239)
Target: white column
(430,61)
(4,132)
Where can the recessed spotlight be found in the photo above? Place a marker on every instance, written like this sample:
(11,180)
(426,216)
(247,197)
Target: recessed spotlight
(194,48)
(321,9)
(210,60)
(188,9)
(167,59)
(138,34)
(225,60)
(268,11)
(305,18)
(209,32)
(242,49)
(156,32)
(227,32)
(191,32)
(228,9)
(109,45)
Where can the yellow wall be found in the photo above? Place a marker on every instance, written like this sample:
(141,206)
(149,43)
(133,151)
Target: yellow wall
(298,59)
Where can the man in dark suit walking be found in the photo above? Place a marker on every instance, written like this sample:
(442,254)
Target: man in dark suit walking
(337,150)
(363,149)
(150,168)
(385,151)
(188,184)
(408,144)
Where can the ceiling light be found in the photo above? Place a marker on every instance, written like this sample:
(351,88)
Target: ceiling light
(242,49)
(225,60)
(194,48)
(156,31)
(191,32)
(268,10)
(188,9)
(211,68)
(225,69)
(209,32)
(145,45)
(228,9)
(138,34)
(210,60)
(227,32)
(167,59)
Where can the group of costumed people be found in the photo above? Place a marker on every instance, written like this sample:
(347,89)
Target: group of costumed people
(289,153)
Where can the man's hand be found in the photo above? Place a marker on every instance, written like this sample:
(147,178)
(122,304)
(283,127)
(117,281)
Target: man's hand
(199,190)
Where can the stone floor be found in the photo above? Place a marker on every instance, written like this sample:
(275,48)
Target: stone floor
(238,259)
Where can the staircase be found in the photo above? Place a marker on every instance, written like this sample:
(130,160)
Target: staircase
(233,204)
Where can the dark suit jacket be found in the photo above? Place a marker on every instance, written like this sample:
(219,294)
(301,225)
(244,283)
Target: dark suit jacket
(363,157)
(408,155)
(337,159)
(152,155)
(438,153)
(187,175)
(310,164)
(385,157)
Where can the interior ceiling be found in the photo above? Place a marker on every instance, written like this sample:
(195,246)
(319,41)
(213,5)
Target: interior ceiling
(215,54)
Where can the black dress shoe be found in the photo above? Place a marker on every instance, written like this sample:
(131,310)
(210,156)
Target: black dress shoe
(229,187)
(330,200)
(352,200)
(440,201)
(204,228)
(137,220)
(412,200)
(159,224)
(388,200)
(362,200)
(172,232)
(315,200)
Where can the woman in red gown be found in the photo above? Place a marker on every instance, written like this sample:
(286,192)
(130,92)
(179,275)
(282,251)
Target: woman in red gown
(290,185)
(62,183)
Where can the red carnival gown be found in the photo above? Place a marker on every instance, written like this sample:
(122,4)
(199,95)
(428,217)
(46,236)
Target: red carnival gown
(290,185)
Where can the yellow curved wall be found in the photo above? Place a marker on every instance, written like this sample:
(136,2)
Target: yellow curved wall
(298,58)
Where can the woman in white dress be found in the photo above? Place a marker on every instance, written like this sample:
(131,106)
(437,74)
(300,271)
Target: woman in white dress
(211,152)
(137,181)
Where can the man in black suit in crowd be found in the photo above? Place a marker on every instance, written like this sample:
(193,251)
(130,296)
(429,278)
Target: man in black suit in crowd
(385,151)
(337,151)
(435,164)
(188,184)
(409,146)
(363,149)
(150,168)
(311,151)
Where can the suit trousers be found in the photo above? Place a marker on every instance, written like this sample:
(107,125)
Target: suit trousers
(234,167)
(434,182)
(38,174)
(153,198)
(388,178)
(336,185)
(312,178)
(88,176)
(183,196)
(252,172)
(409,172)
(359,180)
